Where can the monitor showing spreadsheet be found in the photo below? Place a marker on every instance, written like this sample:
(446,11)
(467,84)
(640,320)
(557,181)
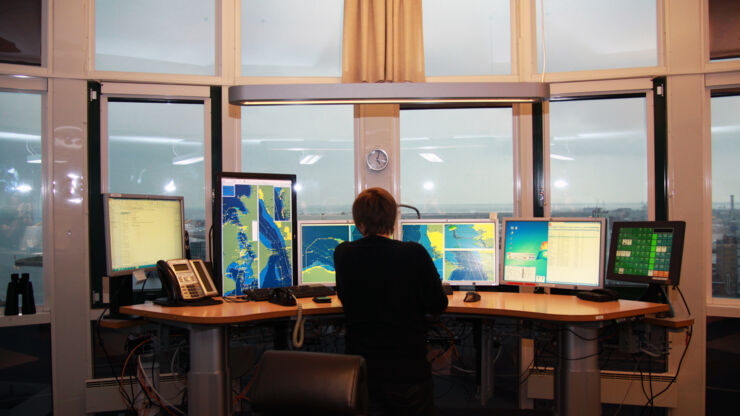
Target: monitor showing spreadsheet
(464,251)
(554,252)
(140,230)
(317,241)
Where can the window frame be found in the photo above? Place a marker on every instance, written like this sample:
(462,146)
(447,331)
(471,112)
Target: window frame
(223,34)
(715,306)
(604,90)
(46,47)
(518,28)
(148,93)
(533,73)
(38,86)
(236,65)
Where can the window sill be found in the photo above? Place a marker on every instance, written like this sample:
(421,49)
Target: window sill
(25,320)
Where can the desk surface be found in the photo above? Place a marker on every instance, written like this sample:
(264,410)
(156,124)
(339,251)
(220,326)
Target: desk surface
(561,308)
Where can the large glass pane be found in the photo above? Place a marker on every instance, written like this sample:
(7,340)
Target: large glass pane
(21,215)
(604,34)
(20,32)
(298,38)
(158,149)
(315,143)
(598,159)
(457,162)
(725,186)
(470,37)
(164,36)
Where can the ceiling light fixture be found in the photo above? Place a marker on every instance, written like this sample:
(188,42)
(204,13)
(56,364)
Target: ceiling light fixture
(391,93)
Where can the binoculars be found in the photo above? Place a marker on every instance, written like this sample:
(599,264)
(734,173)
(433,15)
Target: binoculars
(20,287)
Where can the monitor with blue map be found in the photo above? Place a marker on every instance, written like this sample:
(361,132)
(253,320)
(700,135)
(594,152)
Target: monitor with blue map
(317,241)
(464,251)
(255,237)
(556,252)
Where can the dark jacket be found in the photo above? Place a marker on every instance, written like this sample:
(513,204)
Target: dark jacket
(387,287)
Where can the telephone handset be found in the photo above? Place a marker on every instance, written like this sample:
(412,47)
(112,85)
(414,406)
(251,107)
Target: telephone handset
(186,282)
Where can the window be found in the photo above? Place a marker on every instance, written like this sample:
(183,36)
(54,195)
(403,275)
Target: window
(458,162)
(20,32)
(725,187)
(21,215)
(283,38)
(598,158)
(157,148)
(165,36)
(316,143)
(470,37)
(588,35)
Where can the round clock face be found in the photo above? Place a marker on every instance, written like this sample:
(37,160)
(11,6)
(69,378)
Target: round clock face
(377,159)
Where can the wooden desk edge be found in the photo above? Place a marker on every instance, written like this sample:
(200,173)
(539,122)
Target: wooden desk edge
(242,314)
(674,323)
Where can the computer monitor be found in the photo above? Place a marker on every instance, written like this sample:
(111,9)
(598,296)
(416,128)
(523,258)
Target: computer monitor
(563,253)
(317,241)
(140,230)
(255,231)
(464,251)
(646,252)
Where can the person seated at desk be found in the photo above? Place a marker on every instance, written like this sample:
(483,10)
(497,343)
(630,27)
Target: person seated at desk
(387,287)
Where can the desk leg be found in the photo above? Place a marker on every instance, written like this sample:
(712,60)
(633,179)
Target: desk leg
(577,377)
(207,384)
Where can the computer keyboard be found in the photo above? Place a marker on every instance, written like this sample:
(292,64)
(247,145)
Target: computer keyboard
(310,291)
(262,293)
(301,291)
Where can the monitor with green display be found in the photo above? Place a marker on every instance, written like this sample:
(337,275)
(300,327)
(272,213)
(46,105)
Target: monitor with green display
(646,252)
(464,251)
(317,241)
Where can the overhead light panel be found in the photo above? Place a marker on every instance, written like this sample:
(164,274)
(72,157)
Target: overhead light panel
(431,157)
(187,159)
(309,159)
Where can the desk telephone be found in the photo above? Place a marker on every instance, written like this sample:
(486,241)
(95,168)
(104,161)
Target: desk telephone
(186,282)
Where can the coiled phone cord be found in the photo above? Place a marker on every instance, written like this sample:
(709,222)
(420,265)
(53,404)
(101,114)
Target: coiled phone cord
(298,329)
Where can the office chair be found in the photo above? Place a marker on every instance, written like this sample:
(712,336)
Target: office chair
(298,382)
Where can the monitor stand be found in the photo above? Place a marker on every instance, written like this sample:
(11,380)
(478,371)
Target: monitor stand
(658,294)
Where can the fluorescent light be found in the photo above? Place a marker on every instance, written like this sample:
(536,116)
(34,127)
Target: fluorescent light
(18,136)
(428,185)
(33,159)
(559,157)
(431,157)
(170,187)
(23,188)
(390,93)
(187,159)
(309,159)
(560,183)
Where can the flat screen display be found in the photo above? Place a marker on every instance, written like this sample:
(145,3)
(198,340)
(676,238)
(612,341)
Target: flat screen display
(317,241)
(555,252)
(255,231)
(140,230)
(646,251)
(464,251)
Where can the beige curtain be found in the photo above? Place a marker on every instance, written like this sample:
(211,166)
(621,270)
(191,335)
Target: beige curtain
(383,41)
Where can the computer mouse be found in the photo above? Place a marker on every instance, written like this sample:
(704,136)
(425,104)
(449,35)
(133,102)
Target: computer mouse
(471,297)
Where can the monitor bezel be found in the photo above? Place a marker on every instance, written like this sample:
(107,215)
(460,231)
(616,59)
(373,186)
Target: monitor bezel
(496,254)
(106,218)
(602,250)
(301,223)
(217,255)
(674,278)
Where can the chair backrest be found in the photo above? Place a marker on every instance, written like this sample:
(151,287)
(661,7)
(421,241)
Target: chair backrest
(299,382)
